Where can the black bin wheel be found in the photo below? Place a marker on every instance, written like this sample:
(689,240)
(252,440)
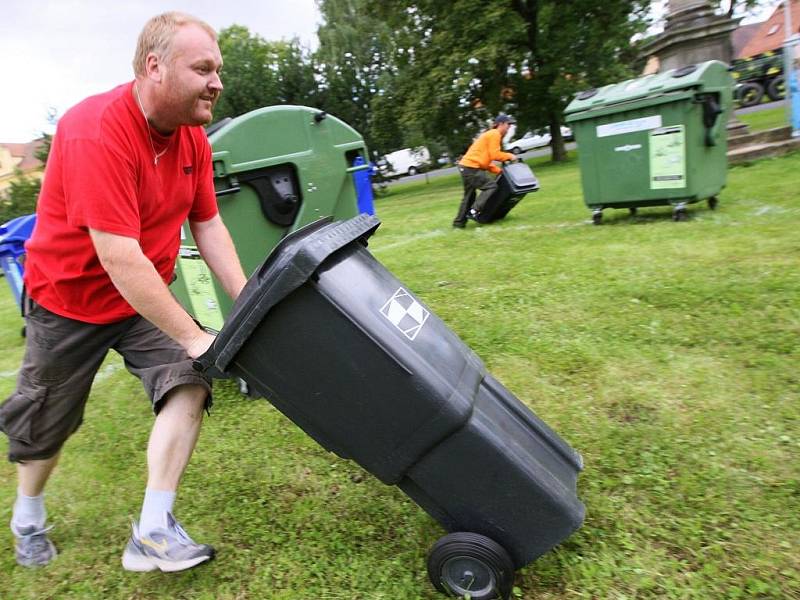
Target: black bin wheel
(470,565)
(712,202)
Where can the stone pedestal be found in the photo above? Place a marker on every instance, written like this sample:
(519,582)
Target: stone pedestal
(694,34)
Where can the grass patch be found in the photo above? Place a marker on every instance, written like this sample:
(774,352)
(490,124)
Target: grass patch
(769,118)
(666,353)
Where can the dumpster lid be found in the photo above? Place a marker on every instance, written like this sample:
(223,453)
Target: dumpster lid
(710,75)
(290,264)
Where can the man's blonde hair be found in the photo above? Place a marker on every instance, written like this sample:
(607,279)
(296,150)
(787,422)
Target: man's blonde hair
(157,34)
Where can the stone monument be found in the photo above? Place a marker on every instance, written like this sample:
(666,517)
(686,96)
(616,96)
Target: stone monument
(694,34)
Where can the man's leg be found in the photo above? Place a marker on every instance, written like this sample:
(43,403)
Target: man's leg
(61,359)
(179,395)
(487,185)
(174,436)
(467,199)
(33,475)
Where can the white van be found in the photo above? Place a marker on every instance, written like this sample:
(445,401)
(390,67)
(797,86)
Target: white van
(408,161)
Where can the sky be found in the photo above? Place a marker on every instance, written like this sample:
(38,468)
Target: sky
(58,52)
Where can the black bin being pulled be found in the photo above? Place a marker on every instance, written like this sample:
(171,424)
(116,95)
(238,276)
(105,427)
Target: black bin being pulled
(347,352)
(515,180)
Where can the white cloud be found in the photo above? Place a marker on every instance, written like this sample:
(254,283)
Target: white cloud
(58,52)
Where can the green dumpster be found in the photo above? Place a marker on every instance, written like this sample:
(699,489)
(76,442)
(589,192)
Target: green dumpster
(276,169)
(654,141)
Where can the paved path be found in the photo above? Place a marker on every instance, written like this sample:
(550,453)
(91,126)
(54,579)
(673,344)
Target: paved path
(758,107)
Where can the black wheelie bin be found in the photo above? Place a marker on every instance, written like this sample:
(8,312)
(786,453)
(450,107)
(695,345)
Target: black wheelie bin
(513,183)
(347,352)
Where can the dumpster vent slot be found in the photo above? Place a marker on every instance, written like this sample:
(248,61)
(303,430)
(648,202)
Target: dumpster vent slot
(586,94)
(684,71)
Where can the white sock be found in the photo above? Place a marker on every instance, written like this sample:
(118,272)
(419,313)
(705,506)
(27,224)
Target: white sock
(156,504)
(29,510)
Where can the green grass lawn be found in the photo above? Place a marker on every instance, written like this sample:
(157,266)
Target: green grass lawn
(769,118)
(666,353)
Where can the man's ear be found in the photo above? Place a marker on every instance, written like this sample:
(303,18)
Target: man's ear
(153,67)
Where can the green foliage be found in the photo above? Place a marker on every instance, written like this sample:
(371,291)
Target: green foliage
(355,64)
(258,73)
(666,353)
(23,192)
(408,73)
(20,197)
(463,61)
(740,7)
(42,153)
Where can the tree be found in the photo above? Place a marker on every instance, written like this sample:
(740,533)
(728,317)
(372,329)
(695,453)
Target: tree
(20,198)
(356,71)
(465,60)
(259,73)
(739,7)
(23,191)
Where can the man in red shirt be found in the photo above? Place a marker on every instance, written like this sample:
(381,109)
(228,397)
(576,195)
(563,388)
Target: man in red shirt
(127,168)
(474,166)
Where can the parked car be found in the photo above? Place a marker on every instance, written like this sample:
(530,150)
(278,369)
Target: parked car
(529,141)
(408,161)
(536,139)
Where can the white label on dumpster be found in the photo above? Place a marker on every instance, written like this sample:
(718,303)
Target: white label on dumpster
(405,313)
(668,158)
(620,127)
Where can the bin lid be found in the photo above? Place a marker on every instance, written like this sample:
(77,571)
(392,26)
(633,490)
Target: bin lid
(290,264)
(278,134)
(520,177)
(712,75)
(18,230)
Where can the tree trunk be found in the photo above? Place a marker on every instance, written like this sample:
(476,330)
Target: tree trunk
(559,152)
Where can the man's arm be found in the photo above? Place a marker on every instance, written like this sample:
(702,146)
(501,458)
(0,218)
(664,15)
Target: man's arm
(495,148)
(140,284)
(216,247)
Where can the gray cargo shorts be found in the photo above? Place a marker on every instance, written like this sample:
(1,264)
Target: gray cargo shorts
(61,359)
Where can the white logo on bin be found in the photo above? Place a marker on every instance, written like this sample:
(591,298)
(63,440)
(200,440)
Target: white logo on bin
(405,313)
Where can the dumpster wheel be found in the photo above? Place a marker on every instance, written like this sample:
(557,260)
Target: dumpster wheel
(464,564)
(597,216)
(712,202)
(679,213)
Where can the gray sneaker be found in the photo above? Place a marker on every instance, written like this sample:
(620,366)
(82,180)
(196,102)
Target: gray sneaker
(167,548)
(33,549)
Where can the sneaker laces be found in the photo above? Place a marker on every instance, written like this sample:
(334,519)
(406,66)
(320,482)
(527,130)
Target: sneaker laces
(181,532)
(34,542)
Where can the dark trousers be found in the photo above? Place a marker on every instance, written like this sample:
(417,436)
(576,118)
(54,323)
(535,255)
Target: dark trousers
(474,180)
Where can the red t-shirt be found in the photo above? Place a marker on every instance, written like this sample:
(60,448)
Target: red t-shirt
(100,174)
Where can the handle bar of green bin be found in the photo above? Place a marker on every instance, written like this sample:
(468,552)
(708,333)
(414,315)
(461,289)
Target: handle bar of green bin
(356,168)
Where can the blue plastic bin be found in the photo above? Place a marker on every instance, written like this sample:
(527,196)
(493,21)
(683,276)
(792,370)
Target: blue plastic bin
(12,251)
(363,183)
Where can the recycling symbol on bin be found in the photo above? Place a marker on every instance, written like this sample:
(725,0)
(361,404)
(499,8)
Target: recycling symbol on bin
(405,313)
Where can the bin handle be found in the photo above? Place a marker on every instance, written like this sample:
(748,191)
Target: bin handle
(711,112)
(356,168)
